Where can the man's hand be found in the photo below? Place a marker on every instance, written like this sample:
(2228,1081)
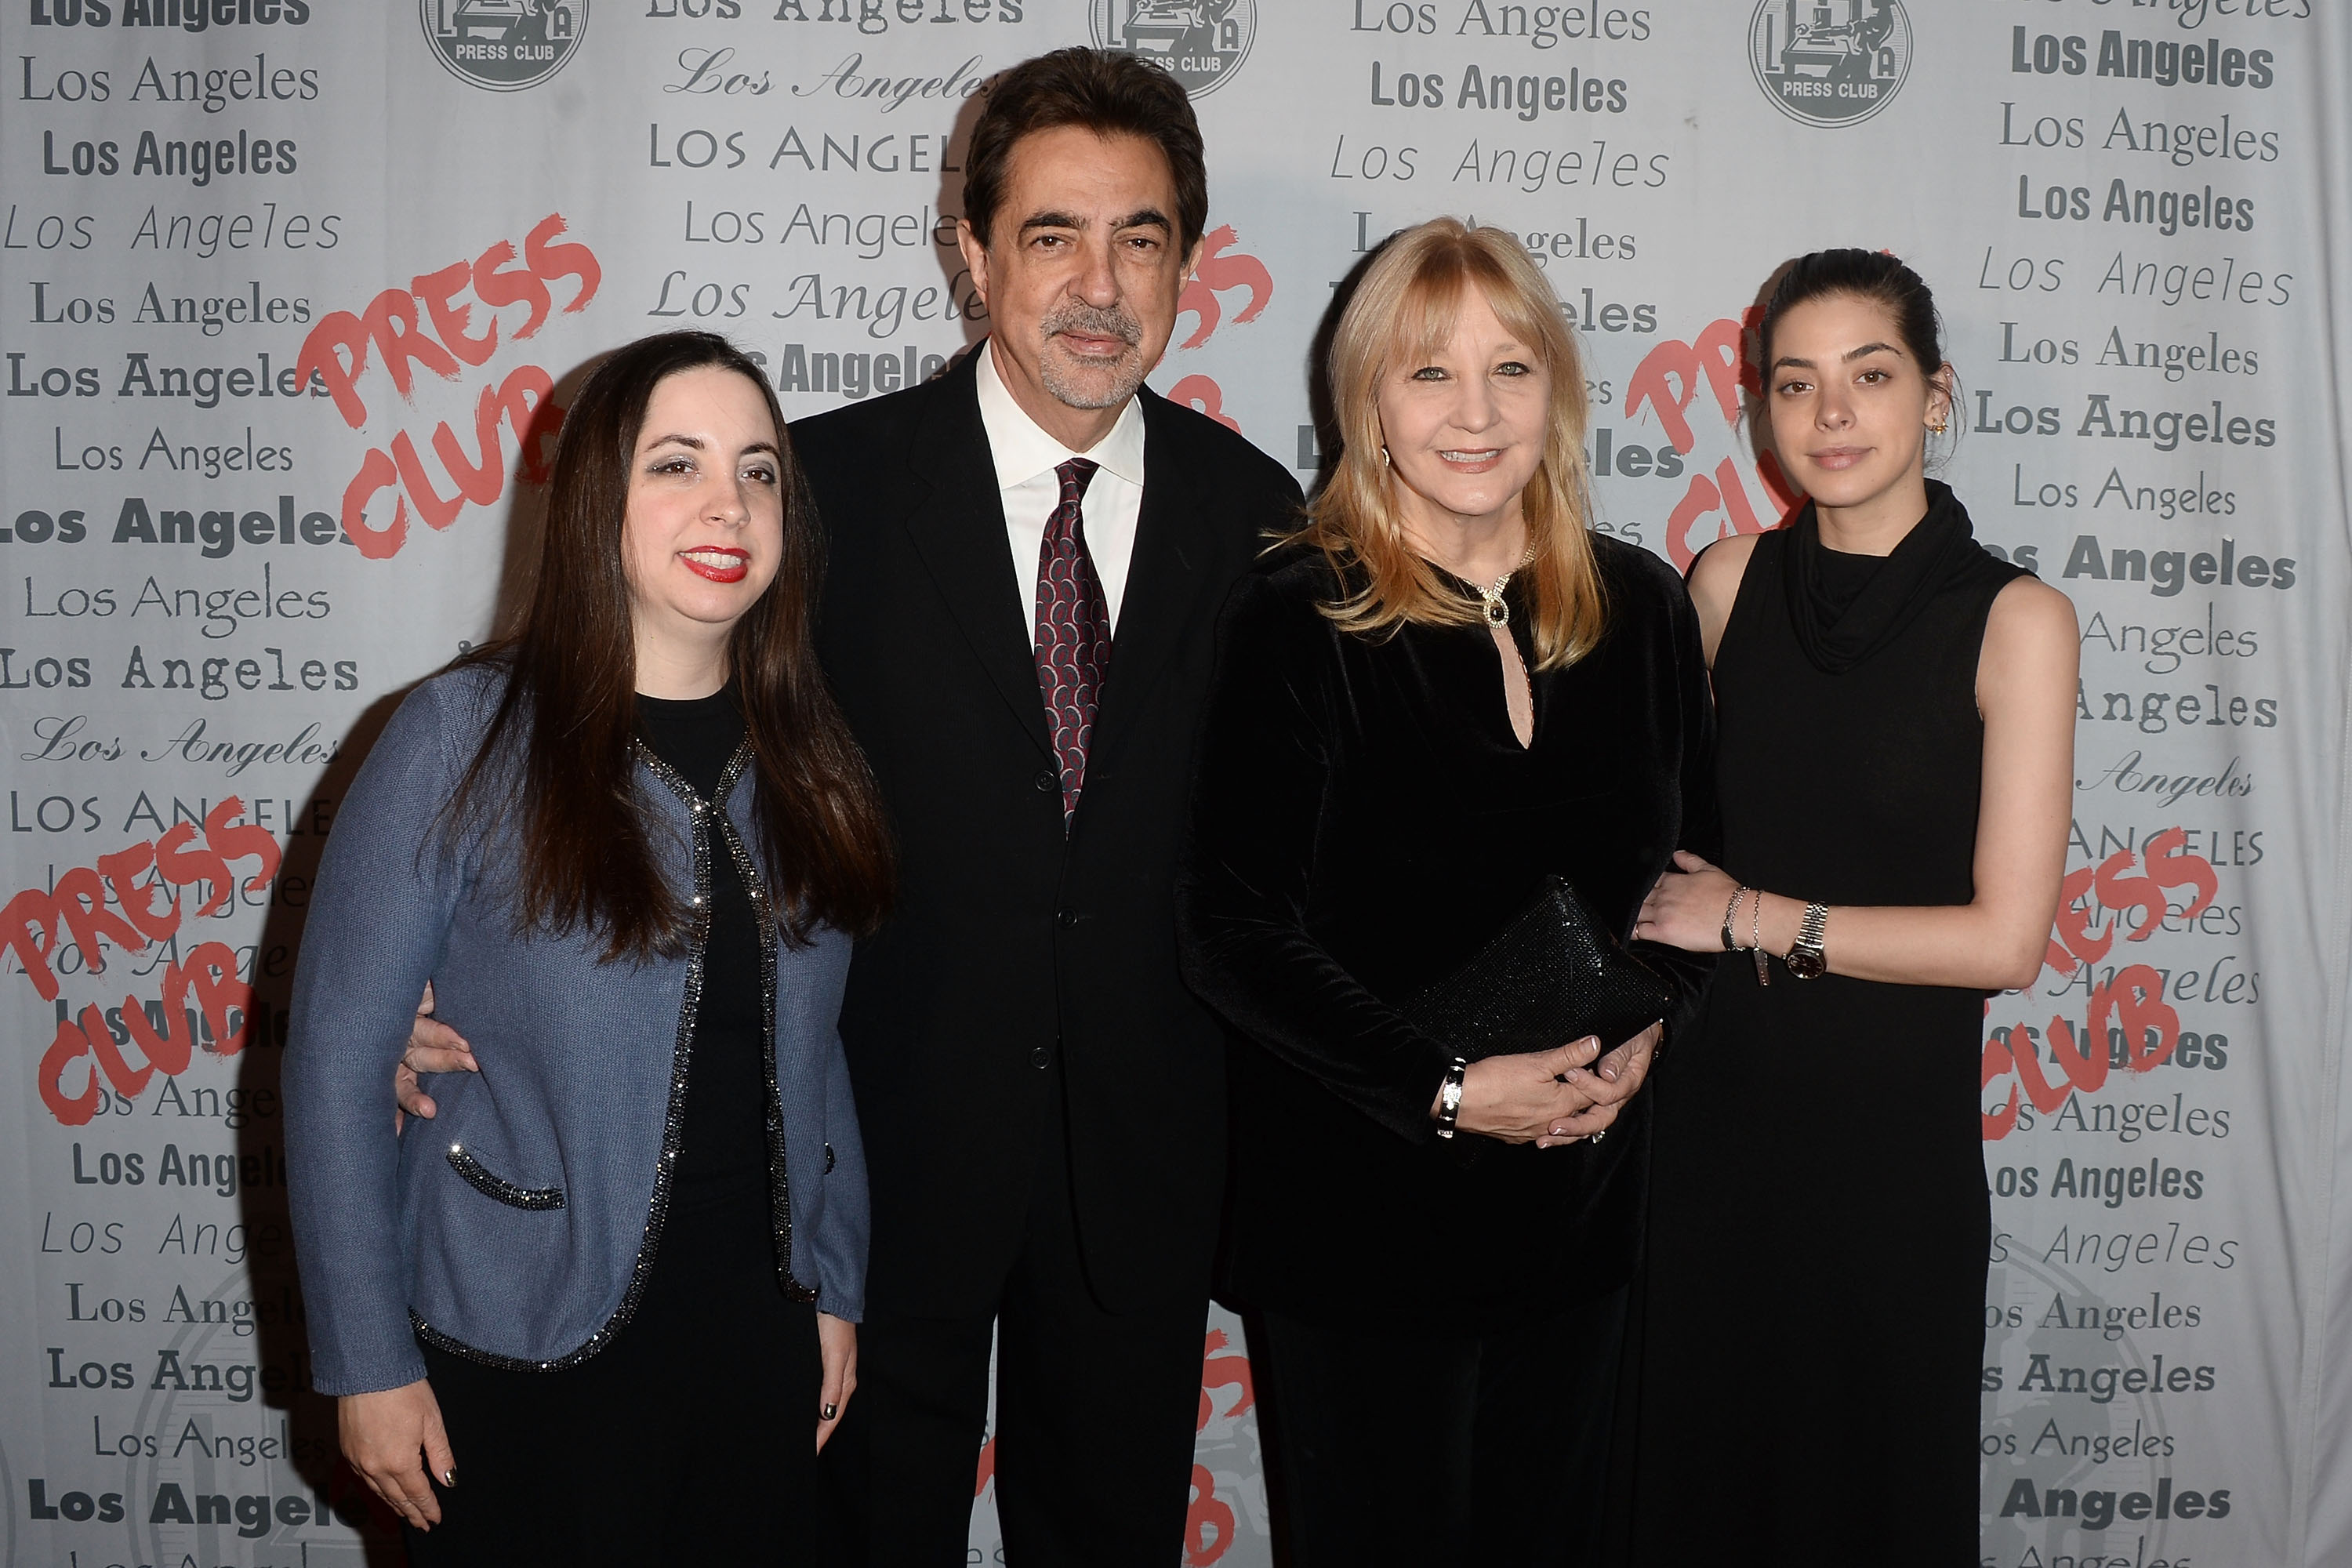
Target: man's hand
(836,1343)
(390,1438)
(433,1047)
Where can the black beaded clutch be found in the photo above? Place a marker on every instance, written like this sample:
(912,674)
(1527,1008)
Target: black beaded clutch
(1553,975)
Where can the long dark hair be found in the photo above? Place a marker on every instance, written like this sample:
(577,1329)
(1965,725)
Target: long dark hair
(557,769)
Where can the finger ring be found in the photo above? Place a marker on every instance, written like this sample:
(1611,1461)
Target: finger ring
(1596,1137)
(829,1412)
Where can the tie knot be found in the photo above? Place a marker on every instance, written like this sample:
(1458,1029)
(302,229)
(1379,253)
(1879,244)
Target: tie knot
(1074,474)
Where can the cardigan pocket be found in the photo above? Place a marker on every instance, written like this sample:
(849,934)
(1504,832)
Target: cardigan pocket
(483,1181)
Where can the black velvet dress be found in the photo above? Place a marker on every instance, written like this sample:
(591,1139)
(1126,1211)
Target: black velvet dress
(1366,821)
(1815,1284)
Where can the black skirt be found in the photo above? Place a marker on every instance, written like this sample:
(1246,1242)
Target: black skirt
(691,1437)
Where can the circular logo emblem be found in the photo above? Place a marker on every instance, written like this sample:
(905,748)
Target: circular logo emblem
(1200,43)
(504,45)
(1829,62)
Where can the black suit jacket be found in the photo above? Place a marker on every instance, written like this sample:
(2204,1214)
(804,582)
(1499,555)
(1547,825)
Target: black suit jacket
(1013,943)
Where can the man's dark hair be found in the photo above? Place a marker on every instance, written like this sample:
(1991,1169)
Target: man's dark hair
(1109,93)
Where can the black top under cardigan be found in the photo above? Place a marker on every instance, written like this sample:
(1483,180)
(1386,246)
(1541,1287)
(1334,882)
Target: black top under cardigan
(1366,819)
(722,1155)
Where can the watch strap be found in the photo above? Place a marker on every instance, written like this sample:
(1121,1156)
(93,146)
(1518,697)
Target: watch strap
(1806,959)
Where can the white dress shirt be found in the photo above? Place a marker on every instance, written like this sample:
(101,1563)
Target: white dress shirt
(1025,458)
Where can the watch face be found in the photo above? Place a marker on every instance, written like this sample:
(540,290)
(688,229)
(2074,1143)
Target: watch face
(1805,963)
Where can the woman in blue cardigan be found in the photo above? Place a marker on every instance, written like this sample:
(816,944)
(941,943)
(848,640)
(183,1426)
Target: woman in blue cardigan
(618,1275)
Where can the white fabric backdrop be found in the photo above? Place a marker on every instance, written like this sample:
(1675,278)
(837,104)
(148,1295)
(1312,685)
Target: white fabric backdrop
(2134,212)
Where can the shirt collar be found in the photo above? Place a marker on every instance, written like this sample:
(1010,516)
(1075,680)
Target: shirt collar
(1022,448)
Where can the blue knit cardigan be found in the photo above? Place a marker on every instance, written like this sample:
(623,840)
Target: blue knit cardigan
(517,1225)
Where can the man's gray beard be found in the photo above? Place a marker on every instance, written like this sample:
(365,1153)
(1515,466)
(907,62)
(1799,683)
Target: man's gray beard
(1126,373)
(1076,392)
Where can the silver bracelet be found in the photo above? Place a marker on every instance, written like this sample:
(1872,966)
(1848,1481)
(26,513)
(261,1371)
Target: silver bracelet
(1449,1096)
(1756,941)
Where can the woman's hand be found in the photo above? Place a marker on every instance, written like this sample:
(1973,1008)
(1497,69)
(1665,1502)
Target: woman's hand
(1686,909)
(1517,1098)
(836,1345)
(433,1047)
(384,1435)
(1614,1080)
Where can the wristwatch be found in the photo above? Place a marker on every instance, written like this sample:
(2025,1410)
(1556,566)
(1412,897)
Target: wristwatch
(1806,960)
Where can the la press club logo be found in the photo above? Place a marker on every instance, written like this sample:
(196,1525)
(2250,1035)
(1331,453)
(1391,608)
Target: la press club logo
(1199,42)
(1829,62)
(504,45)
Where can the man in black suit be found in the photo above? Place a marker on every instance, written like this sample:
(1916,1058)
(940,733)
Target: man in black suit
(1026,560)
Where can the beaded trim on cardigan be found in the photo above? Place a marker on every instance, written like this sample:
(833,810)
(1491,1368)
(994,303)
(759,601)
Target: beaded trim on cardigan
(674,1117)
(478,1177)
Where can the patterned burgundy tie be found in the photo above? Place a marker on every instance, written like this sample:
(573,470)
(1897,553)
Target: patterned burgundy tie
(1073,632)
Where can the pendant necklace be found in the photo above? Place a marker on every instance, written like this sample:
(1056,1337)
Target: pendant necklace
(1498,614)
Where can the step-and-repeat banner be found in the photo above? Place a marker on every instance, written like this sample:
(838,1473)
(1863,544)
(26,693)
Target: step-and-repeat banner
(289,291)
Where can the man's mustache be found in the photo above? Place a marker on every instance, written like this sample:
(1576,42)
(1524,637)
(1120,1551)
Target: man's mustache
(1091,322)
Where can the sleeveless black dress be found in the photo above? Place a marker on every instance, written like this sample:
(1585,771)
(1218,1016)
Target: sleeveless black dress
(1812,1321)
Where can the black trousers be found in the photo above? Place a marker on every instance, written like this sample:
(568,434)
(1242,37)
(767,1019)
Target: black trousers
(1426,1451)
(690,1438)
(1095,1413)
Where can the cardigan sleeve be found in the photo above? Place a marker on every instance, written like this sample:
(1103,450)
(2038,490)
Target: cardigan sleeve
(380,907)
(843,1234)
(1241,896)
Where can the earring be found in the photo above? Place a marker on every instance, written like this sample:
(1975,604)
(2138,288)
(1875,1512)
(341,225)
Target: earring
(1386,462)
(1939,430)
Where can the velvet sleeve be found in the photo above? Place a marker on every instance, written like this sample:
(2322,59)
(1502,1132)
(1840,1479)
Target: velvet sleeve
(1702,829)
(1244,895)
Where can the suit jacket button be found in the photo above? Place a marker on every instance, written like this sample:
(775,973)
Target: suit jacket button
(828,1159)
(1048,782)
(1039,1057)
(1065,918)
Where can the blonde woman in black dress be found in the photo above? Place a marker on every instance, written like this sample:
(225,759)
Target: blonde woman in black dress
(1895,757)
(1448,690)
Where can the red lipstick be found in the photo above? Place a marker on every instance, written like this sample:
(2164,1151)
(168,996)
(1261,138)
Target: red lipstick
(704,561)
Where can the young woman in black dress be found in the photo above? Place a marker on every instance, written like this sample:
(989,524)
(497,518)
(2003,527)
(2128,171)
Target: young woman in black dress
(1896,713)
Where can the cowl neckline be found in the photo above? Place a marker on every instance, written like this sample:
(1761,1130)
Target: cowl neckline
(1838,630)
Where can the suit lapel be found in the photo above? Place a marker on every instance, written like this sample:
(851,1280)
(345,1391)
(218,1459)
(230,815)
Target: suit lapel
(958,528)
(1165,577)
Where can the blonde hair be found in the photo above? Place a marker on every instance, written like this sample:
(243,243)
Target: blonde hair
(1407,305)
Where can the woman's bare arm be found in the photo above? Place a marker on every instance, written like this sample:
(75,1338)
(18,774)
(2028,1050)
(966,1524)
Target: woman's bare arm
(2025,690)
